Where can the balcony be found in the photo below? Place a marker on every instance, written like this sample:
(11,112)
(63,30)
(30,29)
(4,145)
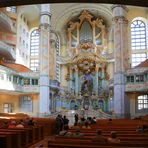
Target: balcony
(6,23)
(54,84)
(137,80)
(137,87)
(7,51)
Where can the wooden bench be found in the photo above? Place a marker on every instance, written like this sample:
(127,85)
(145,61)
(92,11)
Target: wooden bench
(5,141)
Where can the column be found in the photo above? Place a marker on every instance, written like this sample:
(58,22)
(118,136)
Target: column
(45,17)
(96,80)
(76,81)
(106,105)
(103,77)
(120,24)
(70,80)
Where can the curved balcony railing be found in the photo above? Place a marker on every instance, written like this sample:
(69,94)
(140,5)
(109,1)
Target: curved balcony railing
(6,19)
(140,87)
(6,48)
(11,80)
(10,86)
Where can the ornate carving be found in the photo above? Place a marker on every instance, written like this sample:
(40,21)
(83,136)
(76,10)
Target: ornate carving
(120,19)
(86,46)
(44,26)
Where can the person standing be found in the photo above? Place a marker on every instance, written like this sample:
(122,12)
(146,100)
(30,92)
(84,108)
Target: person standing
(58,124)
(65,121)
(76,116)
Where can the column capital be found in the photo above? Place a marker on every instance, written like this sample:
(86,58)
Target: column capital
(119,10)
(45,13)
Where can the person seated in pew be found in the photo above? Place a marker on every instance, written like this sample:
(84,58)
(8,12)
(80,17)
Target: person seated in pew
(99,137)
(86,126)
(5,124)
(142,129)
(82,121)
(76,126)
(113,138)
(93,120)
(68,134)
(31,122)
(20,125)
(12,124)
(62,133)
(65,133)
(77,134)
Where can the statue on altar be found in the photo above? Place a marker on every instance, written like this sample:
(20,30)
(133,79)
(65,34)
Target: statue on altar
(87,84)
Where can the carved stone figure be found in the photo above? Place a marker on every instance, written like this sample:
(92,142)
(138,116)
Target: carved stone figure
(87,84)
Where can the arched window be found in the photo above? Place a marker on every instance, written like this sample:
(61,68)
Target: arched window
(138,42)
(34,50)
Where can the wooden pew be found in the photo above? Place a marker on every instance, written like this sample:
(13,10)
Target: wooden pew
(82,142)
(15,138)
(5,141)
(24,135)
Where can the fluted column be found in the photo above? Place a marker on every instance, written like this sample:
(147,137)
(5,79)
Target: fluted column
(76,81)
(44,100)
(120,24)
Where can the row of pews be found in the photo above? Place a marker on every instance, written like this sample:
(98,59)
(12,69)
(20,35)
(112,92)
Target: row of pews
(126,132)
(27,137)
(21,137)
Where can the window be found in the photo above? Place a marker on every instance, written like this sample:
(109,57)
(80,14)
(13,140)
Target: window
(11,9)
(8,107)
(130,79)
(138,58)
(139,78)
(34,81)
(34,50)
(34,64)
(142,102)
(26,81)
(1,76)
(138,35)
(25,103)
(138,41)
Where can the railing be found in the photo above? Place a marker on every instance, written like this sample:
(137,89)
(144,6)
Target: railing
(6,18)
(132,87)
(54,82)
(8,85)
(5,47)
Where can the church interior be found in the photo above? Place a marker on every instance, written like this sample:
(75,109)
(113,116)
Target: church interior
(67,58)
